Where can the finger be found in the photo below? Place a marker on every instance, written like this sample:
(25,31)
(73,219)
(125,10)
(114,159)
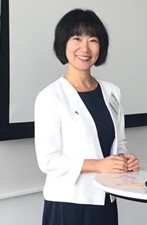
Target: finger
(120,165)
(119,158)
(135,162)
(130,157)
(131,160)
(134,166)
(116,170)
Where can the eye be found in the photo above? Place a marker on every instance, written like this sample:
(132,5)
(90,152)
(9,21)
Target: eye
(94,40)
(76,38)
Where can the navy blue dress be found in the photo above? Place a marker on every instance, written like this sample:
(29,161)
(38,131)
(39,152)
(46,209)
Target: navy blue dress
(61,213)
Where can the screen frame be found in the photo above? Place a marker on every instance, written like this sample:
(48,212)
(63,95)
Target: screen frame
(9,131)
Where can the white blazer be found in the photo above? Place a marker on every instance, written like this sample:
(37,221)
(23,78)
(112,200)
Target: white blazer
(66,135)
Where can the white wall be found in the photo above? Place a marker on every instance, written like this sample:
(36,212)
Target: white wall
(23,210)
(21,181)
(19,174)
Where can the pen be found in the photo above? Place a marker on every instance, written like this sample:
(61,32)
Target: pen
(133,184)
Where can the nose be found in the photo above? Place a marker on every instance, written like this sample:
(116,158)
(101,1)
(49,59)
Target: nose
(84,45)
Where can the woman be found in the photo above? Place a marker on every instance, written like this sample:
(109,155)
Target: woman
(79,128)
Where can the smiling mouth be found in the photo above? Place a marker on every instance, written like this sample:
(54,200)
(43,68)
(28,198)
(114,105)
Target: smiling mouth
(83,57)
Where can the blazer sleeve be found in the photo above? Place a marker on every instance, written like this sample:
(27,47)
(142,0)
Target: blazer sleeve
(121,128)
(48,141)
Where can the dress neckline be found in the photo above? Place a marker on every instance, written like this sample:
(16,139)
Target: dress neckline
(95,89)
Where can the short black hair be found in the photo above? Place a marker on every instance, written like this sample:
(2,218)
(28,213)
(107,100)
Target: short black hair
(78,22)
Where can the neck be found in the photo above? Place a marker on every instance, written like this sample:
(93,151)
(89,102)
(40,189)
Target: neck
(81,80)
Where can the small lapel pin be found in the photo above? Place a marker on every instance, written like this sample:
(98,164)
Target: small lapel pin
(77,112)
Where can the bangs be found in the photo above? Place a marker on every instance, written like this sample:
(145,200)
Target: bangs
(85,28)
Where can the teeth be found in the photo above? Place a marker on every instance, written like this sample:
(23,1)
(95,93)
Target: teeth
(83,57)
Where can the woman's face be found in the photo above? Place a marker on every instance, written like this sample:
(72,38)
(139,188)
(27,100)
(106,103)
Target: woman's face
(82,51)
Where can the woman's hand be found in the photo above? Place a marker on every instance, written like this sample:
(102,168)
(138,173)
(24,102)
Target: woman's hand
(132,162)
(121,163)
(113,164)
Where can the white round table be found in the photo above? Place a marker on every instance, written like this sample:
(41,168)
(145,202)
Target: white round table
(127,185)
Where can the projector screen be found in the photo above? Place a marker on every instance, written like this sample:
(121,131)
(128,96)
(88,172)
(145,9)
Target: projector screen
(29,63)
